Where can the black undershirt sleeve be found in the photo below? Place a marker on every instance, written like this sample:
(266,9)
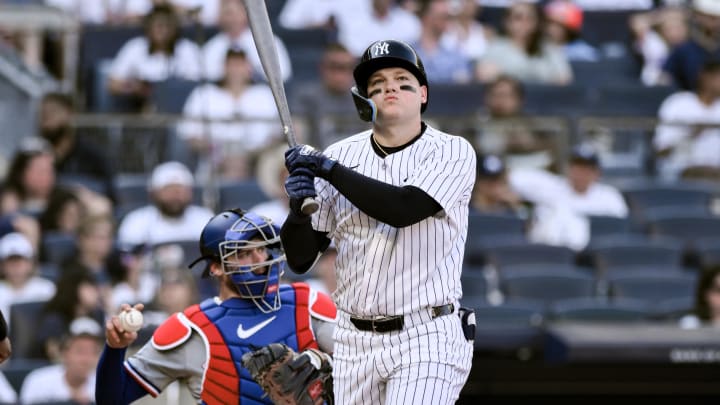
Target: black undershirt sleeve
(3,327)
(393,205)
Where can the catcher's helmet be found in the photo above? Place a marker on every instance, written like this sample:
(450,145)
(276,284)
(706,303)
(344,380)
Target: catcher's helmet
(384,54)
(231,232)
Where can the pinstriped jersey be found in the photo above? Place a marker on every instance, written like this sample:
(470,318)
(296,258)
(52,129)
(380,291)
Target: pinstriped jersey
(383,270)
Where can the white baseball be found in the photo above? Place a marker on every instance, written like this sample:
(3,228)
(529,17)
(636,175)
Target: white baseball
(132,320)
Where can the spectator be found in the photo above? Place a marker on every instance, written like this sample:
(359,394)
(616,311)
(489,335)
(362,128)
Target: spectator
(78,295)
(177,291)
(171,216)
(686,60)
(563,27)
(522,52)
(507,132)
(7,393)
(492,193)
(706,311)
(271,175)
(28,226)
(242,115)
(74,156)
(688,137)
(302,14)
(204,11)
(320,101)
(235,33)
(443,63)
(465,32)
(655,34)
(132,277)
(95,238)
(562,203)
(30,179)
(63,213)
(373,20)
(158,55)
(73,379)
(20,282)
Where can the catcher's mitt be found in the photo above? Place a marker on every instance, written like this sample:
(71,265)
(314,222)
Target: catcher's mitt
(291,378)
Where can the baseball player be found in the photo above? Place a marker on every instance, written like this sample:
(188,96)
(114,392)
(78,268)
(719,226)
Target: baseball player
(394,200)
(203,346)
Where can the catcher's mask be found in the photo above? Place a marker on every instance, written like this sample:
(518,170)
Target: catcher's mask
(234,238)
(380,55)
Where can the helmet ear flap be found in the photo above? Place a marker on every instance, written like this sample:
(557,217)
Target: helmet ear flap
(365,107)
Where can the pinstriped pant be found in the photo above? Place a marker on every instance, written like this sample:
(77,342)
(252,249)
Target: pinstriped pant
(428,362)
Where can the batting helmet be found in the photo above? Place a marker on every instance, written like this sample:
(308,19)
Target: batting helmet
(229,233)
(384,54)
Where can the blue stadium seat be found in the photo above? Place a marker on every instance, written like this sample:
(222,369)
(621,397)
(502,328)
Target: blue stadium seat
(240,194)
(456,100)
(600,310)
(624,255)
(707,251)
(606,226)
(547,286)
(169,96)
(684,226)
(527,253)
(491,229)
(650,195)
(653,287)
(630,99)
(23,324)
(474,285)
(508,327)
(566,100)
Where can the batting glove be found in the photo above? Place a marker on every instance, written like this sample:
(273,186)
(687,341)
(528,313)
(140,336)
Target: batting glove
(300,185)
(305,156)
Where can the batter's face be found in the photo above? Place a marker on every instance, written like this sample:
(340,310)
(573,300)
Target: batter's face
(397,93)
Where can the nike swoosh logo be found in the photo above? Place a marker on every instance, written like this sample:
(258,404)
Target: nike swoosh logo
(244,334)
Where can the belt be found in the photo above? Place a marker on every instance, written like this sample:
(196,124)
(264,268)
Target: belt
(397,322)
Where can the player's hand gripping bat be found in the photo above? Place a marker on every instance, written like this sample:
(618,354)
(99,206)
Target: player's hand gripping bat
(265,44)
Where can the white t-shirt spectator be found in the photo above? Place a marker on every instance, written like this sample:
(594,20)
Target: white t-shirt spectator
(544,188)
(702,149)
(213,102)
(215,51)
(298,14)
(36,289)
(7,393)
(146,225)
(47,384)
(358,27)
(134,61)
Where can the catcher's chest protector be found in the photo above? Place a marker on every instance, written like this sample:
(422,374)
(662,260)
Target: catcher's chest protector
(237,326)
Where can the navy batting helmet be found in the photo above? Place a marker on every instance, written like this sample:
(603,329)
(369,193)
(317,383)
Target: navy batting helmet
(384,54)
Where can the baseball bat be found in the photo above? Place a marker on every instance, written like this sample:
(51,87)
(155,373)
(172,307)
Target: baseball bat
(265,43)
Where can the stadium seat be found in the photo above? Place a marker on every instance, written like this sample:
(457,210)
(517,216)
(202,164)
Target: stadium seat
(684,226)
(630,99)
(524,253)
(706,251)
(169,96)
(646,195)
(491,229)
(57,247)
(653,287)
(566,100)
(240,194)
(509,327)
(456,100)
(474,285)
(623,255)
(606,226)
(548,286)
(23,323)
(600,310)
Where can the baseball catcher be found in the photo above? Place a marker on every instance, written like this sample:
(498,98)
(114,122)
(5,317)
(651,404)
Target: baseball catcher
(291,378)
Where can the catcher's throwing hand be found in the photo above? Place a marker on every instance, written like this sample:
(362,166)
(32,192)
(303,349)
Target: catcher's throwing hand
(291,378)
(115,336)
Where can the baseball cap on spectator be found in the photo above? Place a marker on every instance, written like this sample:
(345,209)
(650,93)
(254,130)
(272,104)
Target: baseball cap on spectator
(565,13)
(584,154)
(83,327)
(490,167)
(710,7)
(16,244)
(169,173)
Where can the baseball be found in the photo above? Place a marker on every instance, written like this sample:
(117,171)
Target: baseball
(132,320)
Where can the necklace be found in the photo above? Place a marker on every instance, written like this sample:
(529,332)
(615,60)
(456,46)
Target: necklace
(378,145)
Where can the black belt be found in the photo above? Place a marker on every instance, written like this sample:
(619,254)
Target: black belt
(393,323)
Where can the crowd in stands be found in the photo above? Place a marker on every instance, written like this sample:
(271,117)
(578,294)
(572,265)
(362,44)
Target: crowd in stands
(74,244)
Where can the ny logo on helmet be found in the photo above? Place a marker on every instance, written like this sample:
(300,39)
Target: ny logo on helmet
(381,48)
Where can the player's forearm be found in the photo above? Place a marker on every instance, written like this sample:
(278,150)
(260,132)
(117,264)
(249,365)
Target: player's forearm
(393,205)
(301,242)
(113,385)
